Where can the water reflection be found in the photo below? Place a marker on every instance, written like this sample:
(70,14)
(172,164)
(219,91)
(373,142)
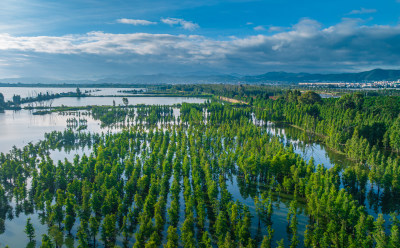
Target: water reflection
(307,145)
(18,128)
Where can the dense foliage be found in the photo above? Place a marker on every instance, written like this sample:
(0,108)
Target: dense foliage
(169,178)
(148,186)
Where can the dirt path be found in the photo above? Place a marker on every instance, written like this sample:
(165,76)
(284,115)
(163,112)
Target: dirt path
(231,100)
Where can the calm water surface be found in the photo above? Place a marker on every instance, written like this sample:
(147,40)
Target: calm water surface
(24,92)
(88,101)
(18,128)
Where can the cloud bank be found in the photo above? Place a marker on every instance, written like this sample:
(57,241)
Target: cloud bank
(348,45)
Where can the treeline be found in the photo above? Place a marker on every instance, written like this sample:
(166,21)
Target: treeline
(240,92)
(17,100)
(366,129)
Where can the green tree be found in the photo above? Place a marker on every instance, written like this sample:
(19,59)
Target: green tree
(281,244)
(94,225)
(57,214)
(16,99)
(395,135)
(188,231)
(125,101)
(205,240)
(379,232)
(82,234)
(29,230)
(394,238)
(109,231)
(172,238)
(228,242)
(310,97)
(57,235)
(292,218)
(2,103)
(46,242)
(70,213)
(267,240)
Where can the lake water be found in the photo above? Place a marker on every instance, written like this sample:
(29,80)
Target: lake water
(21,127)
(328,96)
(9,92)
(18,128)
(88,101)
(312,148)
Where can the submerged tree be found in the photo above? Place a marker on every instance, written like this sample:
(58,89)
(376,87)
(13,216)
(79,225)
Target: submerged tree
(29,230)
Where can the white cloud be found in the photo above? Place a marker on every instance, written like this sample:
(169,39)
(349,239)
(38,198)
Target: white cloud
(307,44)
(276,29)
(184,24)
(135,22)
(113,44)
(259,28)
(362,11)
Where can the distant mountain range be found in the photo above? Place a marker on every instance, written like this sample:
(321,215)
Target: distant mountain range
(270,77)
(373,75)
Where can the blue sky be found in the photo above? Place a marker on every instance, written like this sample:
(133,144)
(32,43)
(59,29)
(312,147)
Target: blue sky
(90,39)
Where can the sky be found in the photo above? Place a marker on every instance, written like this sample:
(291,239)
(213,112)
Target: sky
(92,39)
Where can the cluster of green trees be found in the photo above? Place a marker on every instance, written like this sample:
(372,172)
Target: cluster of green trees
(110,115)
(151,115)
(366,129)
(68,139)
(237,91)
(129,115)
(150,187)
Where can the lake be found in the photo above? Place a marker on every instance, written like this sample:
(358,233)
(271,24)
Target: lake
(21,127)
(9,92)
(88,101)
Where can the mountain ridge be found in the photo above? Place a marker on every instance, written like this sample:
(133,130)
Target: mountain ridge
(269,77)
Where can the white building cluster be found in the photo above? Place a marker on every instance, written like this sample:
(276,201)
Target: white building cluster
(374,84)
